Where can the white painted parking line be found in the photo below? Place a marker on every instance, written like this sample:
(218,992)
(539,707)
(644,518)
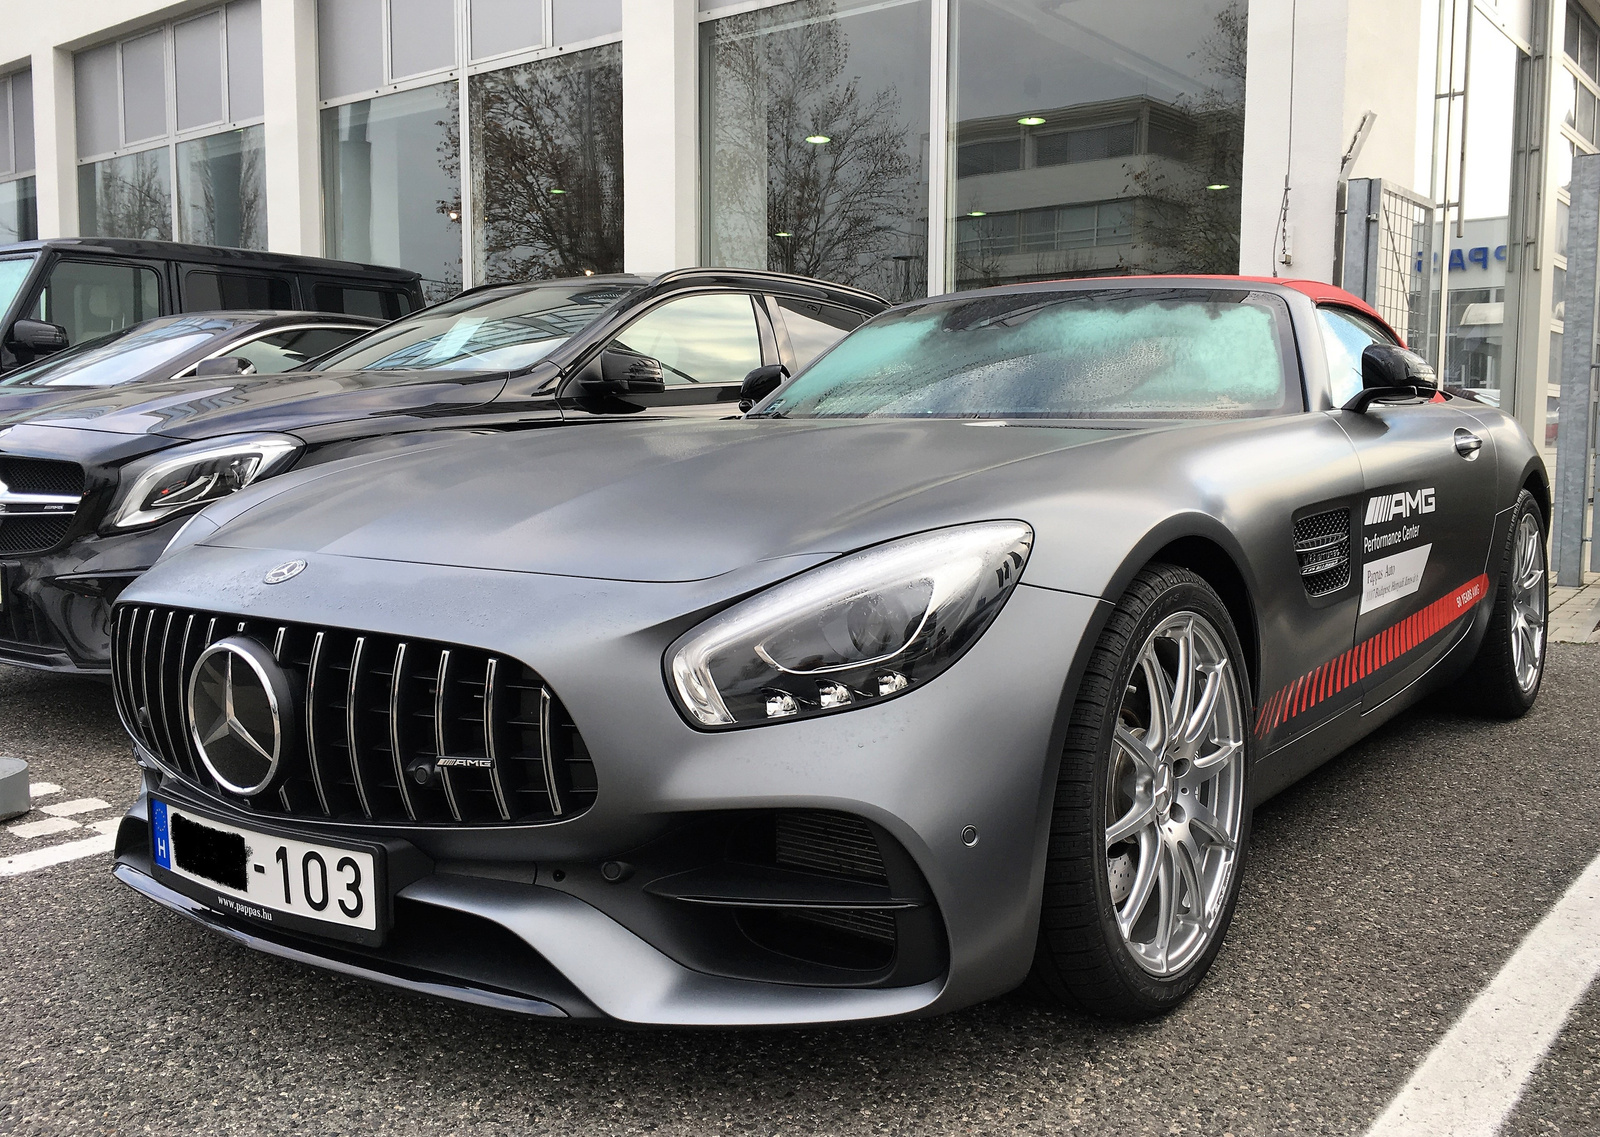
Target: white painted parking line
(1469,1082)
(43,789)
(56,854)
(42,828)
(68,808)
(109,825)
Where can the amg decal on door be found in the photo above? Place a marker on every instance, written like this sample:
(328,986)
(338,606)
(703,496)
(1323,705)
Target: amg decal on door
(1389,506)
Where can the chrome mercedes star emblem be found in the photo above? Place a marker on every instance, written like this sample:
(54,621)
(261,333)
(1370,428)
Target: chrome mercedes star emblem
(284,572)
(238,700)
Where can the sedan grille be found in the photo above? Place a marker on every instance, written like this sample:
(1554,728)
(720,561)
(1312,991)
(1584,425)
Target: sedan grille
(391,731)
(38,500)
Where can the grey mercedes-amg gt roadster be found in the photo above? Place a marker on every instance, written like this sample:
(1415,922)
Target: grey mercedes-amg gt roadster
(961,660)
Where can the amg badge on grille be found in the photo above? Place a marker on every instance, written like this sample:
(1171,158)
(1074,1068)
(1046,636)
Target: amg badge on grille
(284,572)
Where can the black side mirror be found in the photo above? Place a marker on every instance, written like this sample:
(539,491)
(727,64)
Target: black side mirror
(1390,370)
(621,372)
(760,383)
(39,337)
(224,367)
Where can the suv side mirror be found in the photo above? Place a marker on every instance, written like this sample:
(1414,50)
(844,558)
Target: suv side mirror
(39,337)
(618,371)
(1390,370)
(760,383)
(224,367)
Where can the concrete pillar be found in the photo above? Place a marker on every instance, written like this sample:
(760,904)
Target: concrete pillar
(55,142)
(660,151)
(1303,133)
(1574,440)
(289,67)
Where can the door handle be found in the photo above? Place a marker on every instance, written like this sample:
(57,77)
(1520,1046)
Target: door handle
(1468,444)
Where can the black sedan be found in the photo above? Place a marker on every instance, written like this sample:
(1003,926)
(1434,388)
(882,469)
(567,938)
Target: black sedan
(100,477)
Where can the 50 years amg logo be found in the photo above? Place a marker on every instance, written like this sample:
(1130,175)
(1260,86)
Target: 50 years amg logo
(1390,506)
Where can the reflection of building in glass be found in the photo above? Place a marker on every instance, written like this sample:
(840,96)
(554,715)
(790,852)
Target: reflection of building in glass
(1018,219)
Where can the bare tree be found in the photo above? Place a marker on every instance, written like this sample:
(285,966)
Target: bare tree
(849,208)
(133,198)
(547,167)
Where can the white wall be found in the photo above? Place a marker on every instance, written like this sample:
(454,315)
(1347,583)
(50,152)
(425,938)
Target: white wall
(660,135)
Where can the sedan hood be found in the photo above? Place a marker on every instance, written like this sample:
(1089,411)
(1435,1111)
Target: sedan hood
(206,408)
(673,501)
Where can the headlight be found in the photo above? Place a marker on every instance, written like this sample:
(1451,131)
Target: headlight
(177,481)
(854,631)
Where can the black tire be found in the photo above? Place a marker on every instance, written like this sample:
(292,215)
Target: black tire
(1082,958)
(1491,687)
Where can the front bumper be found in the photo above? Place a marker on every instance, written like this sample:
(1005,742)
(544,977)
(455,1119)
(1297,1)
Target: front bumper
(56,606)
(955,778)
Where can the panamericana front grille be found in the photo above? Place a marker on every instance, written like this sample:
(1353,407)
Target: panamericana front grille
(38,499)
(376,714)
(1322,548)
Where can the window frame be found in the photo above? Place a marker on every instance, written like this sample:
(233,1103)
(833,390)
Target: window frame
(278,329)
(174,137)
(164,305)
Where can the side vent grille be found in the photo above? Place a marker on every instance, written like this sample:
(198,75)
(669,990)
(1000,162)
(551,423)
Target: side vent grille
(393,731)
(1322,546)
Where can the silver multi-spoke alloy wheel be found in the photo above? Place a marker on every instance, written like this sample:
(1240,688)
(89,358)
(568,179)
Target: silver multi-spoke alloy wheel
(1175,800)
(1529,598)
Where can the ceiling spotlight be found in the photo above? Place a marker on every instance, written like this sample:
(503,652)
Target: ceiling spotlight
(454,216)
(588,272)
(1030,120)
(555,191)
(817,139)
(1218,186)
(977,213)
(783,233)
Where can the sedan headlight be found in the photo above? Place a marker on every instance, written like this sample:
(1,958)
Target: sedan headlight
(857,630)
(189,477)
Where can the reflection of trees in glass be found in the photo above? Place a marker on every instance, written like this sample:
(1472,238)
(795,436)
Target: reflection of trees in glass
(547,167)
(1196,228)
(132,197)
(849,209)
(222,190)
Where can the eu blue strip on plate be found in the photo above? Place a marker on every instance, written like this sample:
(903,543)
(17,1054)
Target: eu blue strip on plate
(158,826)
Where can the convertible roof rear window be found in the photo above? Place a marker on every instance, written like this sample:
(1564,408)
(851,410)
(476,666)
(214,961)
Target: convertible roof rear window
(1084,353)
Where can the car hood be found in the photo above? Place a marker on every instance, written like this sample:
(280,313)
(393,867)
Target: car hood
(664,501)
(205,408)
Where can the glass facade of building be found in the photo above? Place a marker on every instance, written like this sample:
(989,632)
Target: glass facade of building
(19,217)
(170,143)
(540,82)
(815,129)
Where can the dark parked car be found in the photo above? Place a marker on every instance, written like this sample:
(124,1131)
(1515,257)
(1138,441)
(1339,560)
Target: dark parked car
(965,656)
(58,293)
(123,466)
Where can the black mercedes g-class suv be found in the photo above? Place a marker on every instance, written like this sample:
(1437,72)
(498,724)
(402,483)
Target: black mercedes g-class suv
(61,292)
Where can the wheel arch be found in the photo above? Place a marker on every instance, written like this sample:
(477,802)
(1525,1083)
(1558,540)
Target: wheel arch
(1533,480)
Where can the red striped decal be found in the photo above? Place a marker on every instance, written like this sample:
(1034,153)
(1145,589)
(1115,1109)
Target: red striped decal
(1371,654)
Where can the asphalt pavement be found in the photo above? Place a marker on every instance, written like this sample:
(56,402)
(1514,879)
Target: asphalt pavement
(1383,893)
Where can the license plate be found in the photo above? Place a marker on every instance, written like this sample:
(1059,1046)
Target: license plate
(261,874)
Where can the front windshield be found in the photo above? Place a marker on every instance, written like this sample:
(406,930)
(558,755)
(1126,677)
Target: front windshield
(1103,353)
(122,356)
(501,329)
(13,271)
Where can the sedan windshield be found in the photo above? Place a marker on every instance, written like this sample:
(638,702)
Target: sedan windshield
(122,356)
(499,329)
(1103,353)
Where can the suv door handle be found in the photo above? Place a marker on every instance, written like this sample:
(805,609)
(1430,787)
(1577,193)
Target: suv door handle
(1468,444)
